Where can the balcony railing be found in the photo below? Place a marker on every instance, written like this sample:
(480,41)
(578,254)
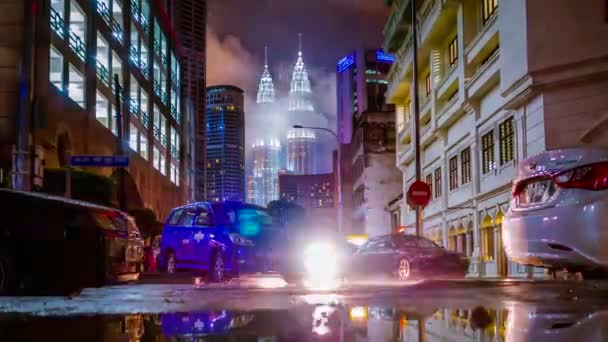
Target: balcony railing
(175,152)
(156,132)
(134,107)
(144,25)
(143,66)
(145,119)
(158,90)
(175,114)
(103,73)
(133,55)
(57,23)
(104,12)
(163,140)
(135,11)
(78,46)
(117,31)
(395,26)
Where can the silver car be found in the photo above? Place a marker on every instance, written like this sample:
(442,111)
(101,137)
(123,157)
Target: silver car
(558,217)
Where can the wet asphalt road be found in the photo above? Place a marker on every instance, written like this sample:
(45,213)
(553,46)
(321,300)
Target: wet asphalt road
(261,308)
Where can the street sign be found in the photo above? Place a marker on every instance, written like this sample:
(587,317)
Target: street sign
(99,161)
(419,194)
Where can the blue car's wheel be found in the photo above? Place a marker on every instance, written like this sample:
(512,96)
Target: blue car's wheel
(217,270)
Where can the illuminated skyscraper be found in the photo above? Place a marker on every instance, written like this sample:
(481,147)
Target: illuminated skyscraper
(300,151)
(300,142)
(266,166)
(266,88)
(225,173)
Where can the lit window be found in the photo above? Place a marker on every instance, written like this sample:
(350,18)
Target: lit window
(143,145)
(59,7)
(465,160)
(117,15)
(156,158)
(103,57)
(143,102)
(453,51)
(56,68)
(453,173)
(487,152)
(163,130)
(438,184)
(156,119)
(114,127)
(488,8)
(427,84)
(506,137)
(173,173)
(133,143)
(163,166)
(102,108)
(116,68)
(134,51)
(77,19)
(76,86)
(429,181)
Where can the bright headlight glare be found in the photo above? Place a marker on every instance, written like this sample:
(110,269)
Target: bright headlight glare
(320,260)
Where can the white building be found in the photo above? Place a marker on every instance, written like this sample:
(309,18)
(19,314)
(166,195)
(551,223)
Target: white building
(499,81)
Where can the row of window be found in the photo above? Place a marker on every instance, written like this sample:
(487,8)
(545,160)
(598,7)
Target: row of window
(506,141)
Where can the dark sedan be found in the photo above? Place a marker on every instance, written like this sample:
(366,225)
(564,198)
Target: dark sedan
(404,257)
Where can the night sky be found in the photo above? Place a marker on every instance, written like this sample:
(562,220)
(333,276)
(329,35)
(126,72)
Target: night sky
(238,30)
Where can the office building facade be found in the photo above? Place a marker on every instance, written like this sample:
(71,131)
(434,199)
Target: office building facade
(225,149)
(189,19)
(68,104)
(265,173)
(366,132)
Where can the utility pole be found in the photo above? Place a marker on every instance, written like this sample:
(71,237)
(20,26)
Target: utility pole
(416,113)
(120,147)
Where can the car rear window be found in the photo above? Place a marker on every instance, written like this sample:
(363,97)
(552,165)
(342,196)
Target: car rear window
(111,220)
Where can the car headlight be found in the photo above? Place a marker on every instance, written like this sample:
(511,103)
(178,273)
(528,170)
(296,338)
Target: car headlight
(237,239)
(321,259)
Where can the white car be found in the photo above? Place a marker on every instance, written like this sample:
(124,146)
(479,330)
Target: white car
(558,217)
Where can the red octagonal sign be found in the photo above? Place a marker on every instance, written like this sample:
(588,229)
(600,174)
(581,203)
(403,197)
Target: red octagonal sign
(419,194)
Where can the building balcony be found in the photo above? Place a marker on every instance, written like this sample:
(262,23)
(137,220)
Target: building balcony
(435,19)
(484,42)
(103,73)
(449,111)
(405,153)
(404,132)
(448,83)
(396,27)
(57,23)
(78,46)
(486,77)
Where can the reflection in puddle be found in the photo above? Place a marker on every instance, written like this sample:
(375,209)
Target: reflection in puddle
(323,322)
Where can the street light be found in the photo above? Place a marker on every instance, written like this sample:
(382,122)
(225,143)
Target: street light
(338,171)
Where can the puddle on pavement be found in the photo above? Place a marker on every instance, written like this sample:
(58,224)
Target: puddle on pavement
(323,322)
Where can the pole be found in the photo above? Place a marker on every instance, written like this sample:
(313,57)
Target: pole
(416,113)
(122,198)
(339,170)
(68,181)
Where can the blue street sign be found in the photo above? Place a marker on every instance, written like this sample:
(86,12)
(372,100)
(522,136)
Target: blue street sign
(99,161)
(384,57)
(346,62)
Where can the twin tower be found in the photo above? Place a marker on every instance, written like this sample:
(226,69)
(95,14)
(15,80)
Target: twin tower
(300,152)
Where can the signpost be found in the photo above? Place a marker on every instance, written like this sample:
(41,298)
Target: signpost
(91,161)
(418,195)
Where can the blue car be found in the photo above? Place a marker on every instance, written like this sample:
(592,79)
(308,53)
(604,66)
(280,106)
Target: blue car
(218,238)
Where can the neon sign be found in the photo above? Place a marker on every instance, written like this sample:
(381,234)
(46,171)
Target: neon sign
(384,57)
(346,62)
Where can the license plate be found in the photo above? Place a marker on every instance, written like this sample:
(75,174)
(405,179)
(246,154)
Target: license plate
(536,192)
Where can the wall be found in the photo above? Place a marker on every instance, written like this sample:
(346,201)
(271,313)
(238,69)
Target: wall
(382,184)
(582,31)
(513,47)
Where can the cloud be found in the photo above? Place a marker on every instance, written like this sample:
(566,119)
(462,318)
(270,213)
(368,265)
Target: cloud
(230,62)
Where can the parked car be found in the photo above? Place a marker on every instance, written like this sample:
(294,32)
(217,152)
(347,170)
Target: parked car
(51,244)
(403,257)
(558,217)
(216,239)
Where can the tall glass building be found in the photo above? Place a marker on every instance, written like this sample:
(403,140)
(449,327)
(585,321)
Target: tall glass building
(300,142)
(266,167)
(225,151)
